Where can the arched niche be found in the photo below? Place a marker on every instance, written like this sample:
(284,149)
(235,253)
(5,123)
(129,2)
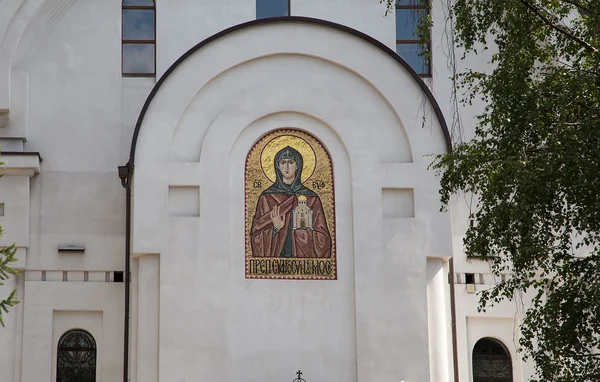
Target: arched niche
(367,95)
(366,107)
(296,83)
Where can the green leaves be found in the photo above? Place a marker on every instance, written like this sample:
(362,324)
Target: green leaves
(533,166)
(7,257)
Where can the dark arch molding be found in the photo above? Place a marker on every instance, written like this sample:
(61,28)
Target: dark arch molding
(291,19)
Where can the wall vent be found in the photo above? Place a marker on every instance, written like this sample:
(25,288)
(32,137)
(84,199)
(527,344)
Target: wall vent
(71,248)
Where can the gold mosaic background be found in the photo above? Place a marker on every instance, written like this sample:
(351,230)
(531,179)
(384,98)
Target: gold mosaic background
(321,182)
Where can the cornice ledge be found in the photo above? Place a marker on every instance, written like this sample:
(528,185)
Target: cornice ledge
(20,163)
(140,254)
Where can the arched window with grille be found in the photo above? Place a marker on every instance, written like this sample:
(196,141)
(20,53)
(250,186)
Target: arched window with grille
(138,56)
(76,357)
(491,362)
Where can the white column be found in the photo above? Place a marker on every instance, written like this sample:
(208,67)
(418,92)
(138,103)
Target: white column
(147,317)
(133,316)
(438,319)
(18,346)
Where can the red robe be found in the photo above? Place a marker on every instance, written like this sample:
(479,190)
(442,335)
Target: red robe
(305,242)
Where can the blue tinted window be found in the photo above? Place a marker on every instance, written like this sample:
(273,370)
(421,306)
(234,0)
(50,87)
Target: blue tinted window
(409,13)
(410,54)
(406,23)
(409,2)
(138,58)
(272,8)
(138,53)
(138,24)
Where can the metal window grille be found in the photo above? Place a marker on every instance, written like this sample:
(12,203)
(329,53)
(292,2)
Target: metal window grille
(76,357)
(491,362)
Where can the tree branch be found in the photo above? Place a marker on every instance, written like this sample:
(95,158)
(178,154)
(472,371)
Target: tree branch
(577,4)
(580,355)
(558,28)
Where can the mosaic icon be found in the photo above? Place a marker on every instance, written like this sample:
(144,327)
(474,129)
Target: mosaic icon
(290,215)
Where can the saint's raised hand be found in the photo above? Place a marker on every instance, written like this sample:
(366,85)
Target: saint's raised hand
(278,220)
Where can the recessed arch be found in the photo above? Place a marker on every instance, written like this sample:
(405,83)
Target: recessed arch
(291,19)
(206,248)
(271,90)
(37,29)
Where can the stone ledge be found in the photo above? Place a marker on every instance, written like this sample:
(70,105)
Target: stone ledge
(20,163)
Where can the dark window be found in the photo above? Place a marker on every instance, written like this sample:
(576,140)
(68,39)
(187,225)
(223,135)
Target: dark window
(139,38)
(76,357)
(118,277)
(491,362)
(272,8)
(408,15)
(469,278)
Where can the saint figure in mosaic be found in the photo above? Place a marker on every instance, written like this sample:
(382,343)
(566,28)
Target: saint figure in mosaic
(289,208)
(289,220)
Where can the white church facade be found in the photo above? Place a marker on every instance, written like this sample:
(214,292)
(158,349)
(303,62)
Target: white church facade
(225,190)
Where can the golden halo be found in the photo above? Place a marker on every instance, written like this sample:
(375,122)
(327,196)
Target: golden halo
(267,156)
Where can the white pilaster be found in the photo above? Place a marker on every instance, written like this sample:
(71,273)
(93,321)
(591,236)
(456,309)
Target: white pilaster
(438,318)
(148,317)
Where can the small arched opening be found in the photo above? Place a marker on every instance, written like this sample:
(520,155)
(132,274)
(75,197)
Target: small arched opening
(491,361)
(76,357)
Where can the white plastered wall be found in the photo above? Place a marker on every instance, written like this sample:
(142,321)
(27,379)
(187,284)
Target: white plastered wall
(89,321)
(500,321)
(502,329)
(50,308)
(69,110)
(61,80)
(369,325)
(60,77)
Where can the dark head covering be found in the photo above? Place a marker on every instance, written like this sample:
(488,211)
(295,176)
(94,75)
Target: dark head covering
(296,187)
